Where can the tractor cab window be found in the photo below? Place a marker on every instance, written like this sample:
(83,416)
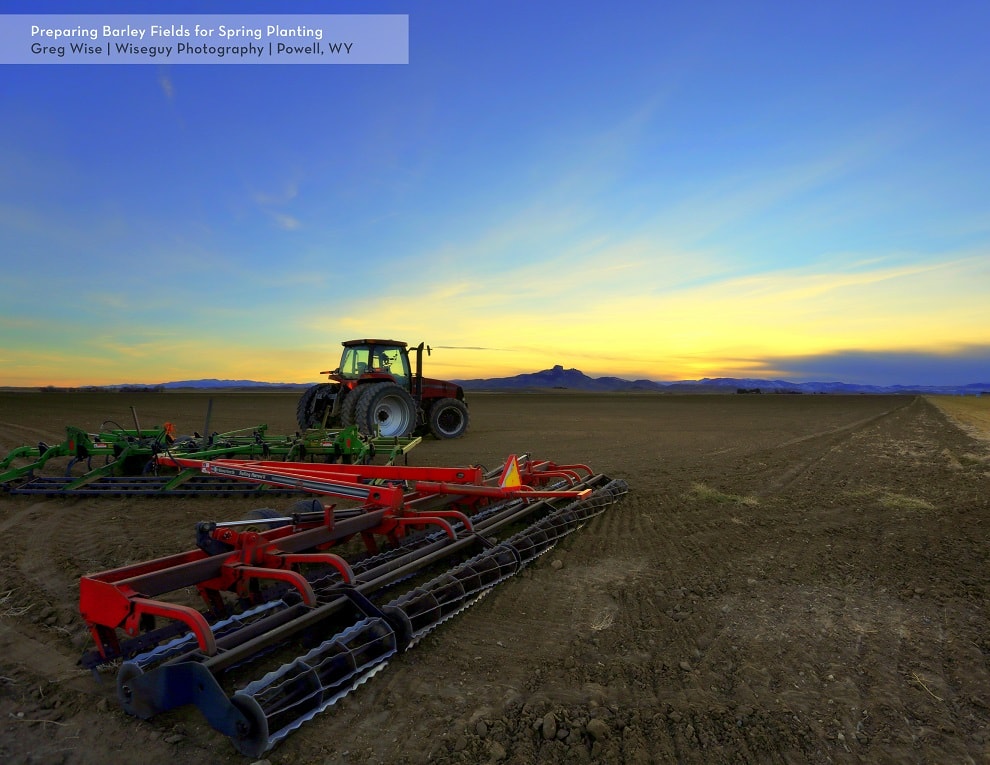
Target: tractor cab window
(355,361)
(393,362)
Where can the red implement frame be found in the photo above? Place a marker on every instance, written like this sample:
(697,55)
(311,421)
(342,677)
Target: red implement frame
(126,598)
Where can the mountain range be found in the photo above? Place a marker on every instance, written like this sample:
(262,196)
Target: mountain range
(558,378)
(573,379)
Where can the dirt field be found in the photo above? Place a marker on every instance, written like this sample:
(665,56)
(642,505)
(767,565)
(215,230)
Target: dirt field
(791,579)
(971,412)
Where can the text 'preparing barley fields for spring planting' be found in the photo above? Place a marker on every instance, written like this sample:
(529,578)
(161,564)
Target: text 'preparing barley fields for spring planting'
(204,39)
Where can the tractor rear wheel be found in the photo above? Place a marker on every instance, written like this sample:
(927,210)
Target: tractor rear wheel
(348,409)
(449,418)
(386,409)
(313,404)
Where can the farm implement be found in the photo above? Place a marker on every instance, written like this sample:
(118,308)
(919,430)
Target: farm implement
(120,461)
(220,626)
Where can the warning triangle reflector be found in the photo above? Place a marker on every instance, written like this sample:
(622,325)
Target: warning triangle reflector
(510,474)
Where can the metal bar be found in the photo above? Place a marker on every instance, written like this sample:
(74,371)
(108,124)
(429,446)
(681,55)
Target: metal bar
(361,472)
(384,496)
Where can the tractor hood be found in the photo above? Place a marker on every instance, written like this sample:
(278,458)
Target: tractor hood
(441,389)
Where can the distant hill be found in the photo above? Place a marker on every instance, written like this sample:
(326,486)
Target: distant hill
(558,377)
(573,379)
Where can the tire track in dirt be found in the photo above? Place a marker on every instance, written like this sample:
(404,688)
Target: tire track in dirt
(19,515)
(783,464)
(31,434)
(853,426)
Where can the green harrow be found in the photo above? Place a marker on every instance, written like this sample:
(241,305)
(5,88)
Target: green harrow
(121,461)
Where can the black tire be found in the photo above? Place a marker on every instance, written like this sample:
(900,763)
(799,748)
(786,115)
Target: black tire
(386,409)
(449,418)
(306,506)
(348,409)
(313,405)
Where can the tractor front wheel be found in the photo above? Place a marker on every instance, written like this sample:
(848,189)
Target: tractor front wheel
(449,418)
(386,409)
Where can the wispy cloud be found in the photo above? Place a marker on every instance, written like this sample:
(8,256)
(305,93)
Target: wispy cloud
(282,196)
(284,221)
(273,204)
(165,82)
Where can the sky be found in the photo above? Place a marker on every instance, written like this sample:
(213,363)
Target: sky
(671,191)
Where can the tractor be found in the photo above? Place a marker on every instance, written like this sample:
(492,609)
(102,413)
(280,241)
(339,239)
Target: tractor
(376,389)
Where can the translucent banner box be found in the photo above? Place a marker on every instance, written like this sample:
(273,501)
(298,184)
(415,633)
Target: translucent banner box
(204,39)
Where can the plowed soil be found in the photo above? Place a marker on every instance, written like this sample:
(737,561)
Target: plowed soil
(791,579)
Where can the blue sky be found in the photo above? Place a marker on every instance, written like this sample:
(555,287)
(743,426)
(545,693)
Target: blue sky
(673,191)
